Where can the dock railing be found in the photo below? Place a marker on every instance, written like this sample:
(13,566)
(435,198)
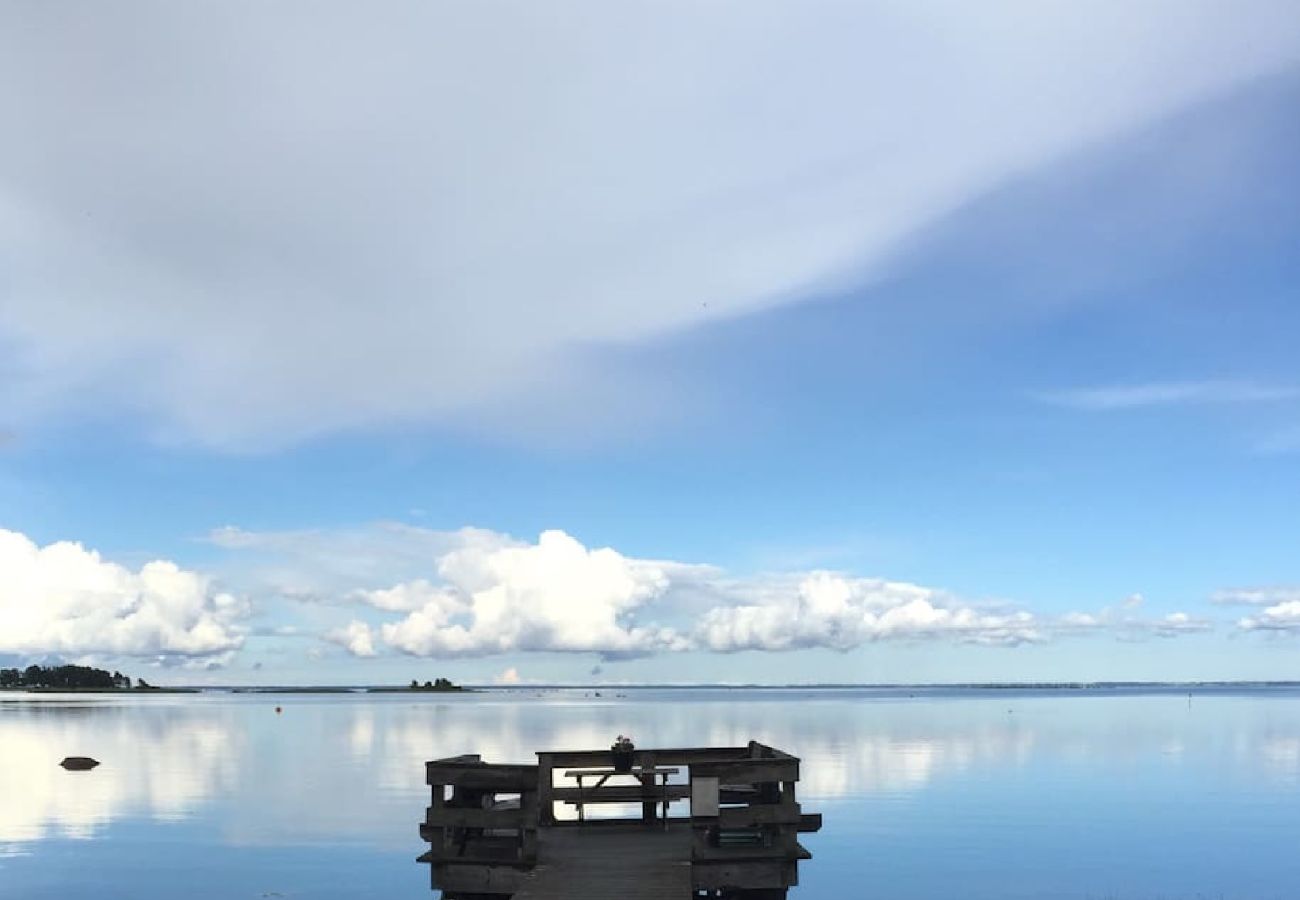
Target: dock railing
(740,835)
(481,823)
(745,821)
(551,762)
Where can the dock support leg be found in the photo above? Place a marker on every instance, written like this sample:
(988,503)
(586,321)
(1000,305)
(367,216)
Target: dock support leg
(649,799)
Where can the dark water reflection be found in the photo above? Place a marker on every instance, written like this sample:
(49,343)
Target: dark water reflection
(934,794)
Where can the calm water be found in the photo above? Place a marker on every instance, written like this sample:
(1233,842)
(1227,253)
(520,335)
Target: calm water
(945,794)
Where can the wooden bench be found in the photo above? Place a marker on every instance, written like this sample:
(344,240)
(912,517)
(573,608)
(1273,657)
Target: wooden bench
(649,794)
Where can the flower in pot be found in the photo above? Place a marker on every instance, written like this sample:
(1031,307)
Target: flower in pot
(621,752)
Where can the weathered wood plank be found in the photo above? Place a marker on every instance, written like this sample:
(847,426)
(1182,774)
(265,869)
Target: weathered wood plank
(809,822)
(604,863)
(506,779)
(450,816)
(746,875)
(749,771)
(483,879)
(669,756)
(620,793)
(759,814)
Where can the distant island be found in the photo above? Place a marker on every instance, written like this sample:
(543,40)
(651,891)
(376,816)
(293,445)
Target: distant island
(72,678)
(438,685)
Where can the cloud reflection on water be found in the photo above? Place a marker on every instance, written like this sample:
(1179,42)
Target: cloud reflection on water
(161,764)
(350,769)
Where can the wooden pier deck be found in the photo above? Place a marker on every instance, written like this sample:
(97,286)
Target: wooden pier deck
(508,831)
(604,860)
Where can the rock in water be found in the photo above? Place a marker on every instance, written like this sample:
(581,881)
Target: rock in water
(79,763)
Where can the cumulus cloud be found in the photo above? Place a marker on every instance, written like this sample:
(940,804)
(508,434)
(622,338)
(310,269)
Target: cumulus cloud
(64,598)
(829,610)
(1280,617)
(499,596)
(356,637)
(552,595)
(509,676)
(326,217)
(479,593)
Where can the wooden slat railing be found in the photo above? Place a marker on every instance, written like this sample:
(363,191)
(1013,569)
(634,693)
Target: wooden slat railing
(480,812)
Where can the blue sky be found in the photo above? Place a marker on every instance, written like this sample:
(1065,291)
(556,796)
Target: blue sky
(820,365)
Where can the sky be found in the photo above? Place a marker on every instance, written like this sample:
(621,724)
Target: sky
(650,342)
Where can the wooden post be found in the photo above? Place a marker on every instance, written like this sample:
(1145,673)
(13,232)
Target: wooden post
(649,801)
(545,788)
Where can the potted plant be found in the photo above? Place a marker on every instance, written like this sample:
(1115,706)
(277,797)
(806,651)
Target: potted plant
(621,753)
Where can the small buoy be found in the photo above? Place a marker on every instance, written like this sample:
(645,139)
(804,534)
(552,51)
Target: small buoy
(79,763)
(278,710)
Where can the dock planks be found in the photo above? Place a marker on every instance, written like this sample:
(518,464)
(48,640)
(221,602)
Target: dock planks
(600,861)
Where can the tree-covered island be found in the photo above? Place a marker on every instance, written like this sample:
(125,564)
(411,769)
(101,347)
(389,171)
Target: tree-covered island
(68,678)
(438,685)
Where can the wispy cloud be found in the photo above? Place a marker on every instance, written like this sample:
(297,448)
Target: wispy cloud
(1277,606)
(1124,623)
(1271,595)
(1225,392)
(360,220)
(1284,441)
(1283,617)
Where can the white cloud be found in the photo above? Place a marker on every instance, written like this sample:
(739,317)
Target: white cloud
(552,595)
(557,595)
(1281,617)
(1176,624)
(1168,393)
(415,595)
(356,637)
(336,219)
(509,676)
(1272,595)
(1125,624)
(1080,621)
(480,593)
(830,610)
(40,801)
(63,598)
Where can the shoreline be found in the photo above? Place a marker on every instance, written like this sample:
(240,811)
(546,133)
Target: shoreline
(1071,686)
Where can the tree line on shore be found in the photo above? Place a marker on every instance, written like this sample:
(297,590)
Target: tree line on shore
(66,678)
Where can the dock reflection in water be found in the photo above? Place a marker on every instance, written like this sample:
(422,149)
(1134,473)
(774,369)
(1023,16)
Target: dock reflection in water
(1017,795)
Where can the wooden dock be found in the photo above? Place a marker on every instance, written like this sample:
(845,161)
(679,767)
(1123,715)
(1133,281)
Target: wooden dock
(601,860)
(494,831)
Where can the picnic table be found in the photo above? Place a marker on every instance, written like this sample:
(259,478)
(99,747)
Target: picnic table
(651,800)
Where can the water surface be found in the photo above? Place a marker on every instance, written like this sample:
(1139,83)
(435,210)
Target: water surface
(1094,795)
